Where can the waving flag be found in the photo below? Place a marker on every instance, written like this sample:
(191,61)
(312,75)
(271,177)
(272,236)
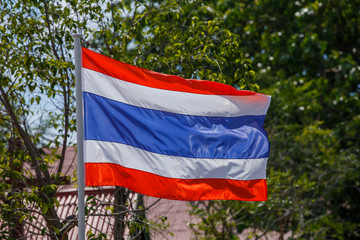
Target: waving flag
(169,137)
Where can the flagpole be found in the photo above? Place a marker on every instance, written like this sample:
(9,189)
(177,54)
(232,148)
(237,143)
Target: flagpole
(80,137)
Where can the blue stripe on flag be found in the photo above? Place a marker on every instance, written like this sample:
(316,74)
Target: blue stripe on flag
(174,134)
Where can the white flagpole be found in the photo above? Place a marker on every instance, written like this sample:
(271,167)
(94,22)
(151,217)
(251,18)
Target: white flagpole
(80,137)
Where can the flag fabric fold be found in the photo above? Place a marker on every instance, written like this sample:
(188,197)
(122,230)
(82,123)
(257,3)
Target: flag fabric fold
(169,137)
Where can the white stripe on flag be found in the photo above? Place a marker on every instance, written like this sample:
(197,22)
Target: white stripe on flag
(172,101)
(173,166)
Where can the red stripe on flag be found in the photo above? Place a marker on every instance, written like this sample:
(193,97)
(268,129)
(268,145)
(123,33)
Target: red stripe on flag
(111,67)
(109,174)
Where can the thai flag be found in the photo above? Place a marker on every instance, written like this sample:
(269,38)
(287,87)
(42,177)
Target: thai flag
(169,137)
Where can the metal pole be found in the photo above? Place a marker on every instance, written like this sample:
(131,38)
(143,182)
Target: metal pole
(80,137)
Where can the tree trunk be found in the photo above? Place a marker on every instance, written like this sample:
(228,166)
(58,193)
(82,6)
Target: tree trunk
(120,197)
(42,176)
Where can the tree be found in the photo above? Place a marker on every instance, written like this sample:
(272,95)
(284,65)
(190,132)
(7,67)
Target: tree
(186,38)
(306,56)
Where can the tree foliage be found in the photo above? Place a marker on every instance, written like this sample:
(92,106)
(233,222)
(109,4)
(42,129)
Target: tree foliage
(185,38)
(306,56)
